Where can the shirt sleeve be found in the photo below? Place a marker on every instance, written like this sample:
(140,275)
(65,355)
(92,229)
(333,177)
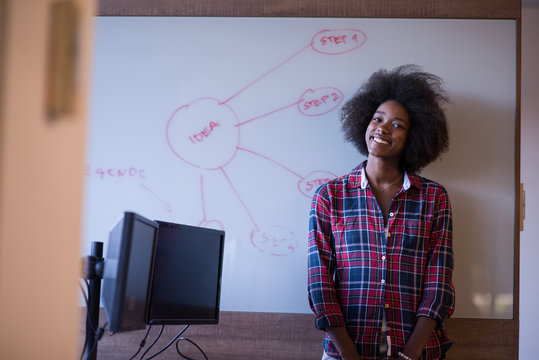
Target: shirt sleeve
(321,287)
(438,301)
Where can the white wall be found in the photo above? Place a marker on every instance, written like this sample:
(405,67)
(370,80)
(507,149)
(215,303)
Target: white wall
(529,239)
(40,191)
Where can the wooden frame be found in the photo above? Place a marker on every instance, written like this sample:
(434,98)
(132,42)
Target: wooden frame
(255,335)
(480,9)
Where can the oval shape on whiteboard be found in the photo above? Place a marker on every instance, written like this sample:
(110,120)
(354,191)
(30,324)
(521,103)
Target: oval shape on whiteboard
(275,240)
(340,41)
(204,133)
(311,182)
(320,101)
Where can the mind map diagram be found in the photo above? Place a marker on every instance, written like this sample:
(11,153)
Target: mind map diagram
(206,133)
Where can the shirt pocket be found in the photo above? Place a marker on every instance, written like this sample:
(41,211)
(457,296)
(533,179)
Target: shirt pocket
(415,241)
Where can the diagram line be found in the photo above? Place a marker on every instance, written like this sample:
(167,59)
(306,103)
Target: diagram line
(273,161)
(202,197)
(239,198)
(266,73)
(268,114)
(166,204)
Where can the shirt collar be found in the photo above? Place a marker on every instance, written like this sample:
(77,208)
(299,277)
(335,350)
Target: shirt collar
(359,179)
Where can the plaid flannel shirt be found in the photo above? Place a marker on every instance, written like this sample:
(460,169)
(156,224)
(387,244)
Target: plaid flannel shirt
(358,268)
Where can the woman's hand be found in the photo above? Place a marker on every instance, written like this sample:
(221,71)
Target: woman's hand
(343,342)
(422,331)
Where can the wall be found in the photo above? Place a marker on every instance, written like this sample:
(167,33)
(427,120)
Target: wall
(40,191)
(529,242)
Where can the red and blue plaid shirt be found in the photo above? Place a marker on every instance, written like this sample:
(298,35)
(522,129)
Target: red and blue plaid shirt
(360,268)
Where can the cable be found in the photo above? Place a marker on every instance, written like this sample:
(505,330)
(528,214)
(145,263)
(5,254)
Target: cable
(84,292)
(98,334)
(87,303)
(142,343)
(153,343)
(170,343)
(192,342)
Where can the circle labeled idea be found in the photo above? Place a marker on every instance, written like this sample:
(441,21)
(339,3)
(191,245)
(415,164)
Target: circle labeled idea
(203,133)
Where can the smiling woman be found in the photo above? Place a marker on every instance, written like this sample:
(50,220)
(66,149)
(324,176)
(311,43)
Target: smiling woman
(387,131)
(380,238)
(421,94)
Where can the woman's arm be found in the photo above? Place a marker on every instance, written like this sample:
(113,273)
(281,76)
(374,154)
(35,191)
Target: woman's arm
(320,262)
(439,295)
(422,331)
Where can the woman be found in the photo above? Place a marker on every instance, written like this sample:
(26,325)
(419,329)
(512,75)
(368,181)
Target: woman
(380,238)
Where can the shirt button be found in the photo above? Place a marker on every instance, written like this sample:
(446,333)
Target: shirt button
(386,305)
(391,214)
(383,257)
(383,281)
(388,329)
(388,235)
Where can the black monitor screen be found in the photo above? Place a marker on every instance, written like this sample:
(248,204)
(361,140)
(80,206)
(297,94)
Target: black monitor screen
(187,275)
(127,273)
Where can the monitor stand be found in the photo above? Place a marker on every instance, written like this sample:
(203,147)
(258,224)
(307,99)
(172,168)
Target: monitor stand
(93,273)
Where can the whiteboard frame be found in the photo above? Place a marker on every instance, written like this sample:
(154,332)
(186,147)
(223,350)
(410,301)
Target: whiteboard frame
(468,9)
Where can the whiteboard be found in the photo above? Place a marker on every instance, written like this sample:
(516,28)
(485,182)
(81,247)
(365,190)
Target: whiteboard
(232,123)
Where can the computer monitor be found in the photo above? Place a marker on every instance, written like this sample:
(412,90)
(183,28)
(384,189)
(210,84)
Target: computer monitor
(186,286)
(128,269)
